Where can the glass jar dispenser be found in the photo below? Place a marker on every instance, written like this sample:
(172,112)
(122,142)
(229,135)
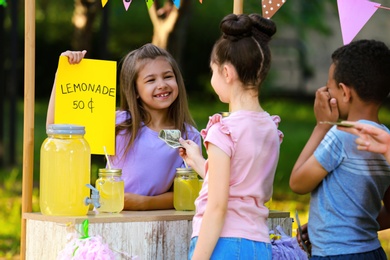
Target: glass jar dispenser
(64,171)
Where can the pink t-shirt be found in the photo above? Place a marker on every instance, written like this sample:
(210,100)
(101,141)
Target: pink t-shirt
(252,141)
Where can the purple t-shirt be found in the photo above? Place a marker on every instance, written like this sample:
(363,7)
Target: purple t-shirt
(150,165)
(252,141)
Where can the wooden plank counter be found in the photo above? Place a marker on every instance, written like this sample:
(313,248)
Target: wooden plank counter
(159,234)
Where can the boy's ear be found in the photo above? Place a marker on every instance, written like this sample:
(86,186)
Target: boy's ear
(347,93)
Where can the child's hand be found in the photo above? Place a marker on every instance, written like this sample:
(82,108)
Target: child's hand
(189,152)
(325,107)
(74,57)
(370,138)
(192,155)
(304,239)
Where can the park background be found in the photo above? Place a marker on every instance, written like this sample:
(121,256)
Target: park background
(308,32)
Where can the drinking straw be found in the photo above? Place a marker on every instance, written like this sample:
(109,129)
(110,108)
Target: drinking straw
(108,160)
(185,163)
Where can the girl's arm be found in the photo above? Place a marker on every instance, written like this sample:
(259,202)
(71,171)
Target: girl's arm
(384,215)
(74,57)
(308,172)
(50,109)
(218,194)
(139,202)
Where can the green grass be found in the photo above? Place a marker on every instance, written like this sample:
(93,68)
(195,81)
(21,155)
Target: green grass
(297,123)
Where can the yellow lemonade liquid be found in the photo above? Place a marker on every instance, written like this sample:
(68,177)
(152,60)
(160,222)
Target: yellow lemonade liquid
(111,195)
(185,191)
(64,172)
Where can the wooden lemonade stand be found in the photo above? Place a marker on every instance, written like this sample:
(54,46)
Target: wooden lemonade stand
(159,234)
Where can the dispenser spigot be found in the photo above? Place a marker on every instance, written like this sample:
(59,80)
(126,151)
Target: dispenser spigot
(94,200)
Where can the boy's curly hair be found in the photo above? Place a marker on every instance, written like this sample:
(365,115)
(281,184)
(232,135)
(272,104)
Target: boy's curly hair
(364,65)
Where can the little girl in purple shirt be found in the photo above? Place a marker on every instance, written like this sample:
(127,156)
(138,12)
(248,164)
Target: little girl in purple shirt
(152,98)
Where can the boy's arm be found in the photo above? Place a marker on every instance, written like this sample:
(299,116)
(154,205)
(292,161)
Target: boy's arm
(308,172)
(384,215)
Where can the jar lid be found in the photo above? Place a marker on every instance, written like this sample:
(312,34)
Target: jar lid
(184,170)
(110,172)
(65,129)
(224,114)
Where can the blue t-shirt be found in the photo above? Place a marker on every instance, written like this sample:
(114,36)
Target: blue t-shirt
(149,167)
(345,205)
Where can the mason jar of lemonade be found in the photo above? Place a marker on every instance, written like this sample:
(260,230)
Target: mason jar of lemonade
(64,171)
(111,190)
(185,189)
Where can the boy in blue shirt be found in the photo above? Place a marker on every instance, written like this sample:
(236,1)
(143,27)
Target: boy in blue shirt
(347,186)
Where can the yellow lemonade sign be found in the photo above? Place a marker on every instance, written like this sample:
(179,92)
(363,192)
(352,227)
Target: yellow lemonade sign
(86,95)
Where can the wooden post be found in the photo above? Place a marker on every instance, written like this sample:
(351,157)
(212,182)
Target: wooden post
(28,129)
(238,7)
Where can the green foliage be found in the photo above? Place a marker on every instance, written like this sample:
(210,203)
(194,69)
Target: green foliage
(10,204)
(130,29)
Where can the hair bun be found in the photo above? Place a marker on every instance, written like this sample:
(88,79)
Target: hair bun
(236,26)
(263,27)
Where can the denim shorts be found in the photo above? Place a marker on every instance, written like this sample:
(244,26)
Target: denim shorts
(229,248)
(378,254)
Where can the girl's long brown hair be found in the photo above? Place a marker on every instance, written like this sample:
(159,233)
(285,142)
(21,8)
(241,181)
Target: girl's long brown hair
(178,112)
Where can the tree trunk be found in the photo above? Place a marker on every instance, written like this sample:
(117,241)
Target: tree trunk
(163,19)
(83,18)
(177,39)
(170,25)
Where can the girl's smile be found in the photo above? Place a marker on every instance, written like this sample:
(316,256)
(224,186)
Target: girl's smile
(163,95)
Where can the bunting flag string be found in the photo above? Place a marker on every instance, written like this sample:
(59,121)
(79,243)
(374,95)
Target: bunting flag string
(270,7)
(353,14)
(379,6)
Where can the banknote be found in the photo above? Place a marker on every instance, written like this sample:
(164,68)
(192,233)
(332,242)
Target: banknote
(336,123)
(171,137)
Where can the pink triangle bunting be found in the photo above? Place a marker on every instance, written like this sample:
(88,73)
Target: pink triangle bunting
(127,3)
(354,14)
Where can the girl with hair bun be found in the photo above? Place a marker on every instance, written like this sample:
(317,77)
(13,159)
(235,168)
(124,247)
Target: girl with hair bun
(243,148)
